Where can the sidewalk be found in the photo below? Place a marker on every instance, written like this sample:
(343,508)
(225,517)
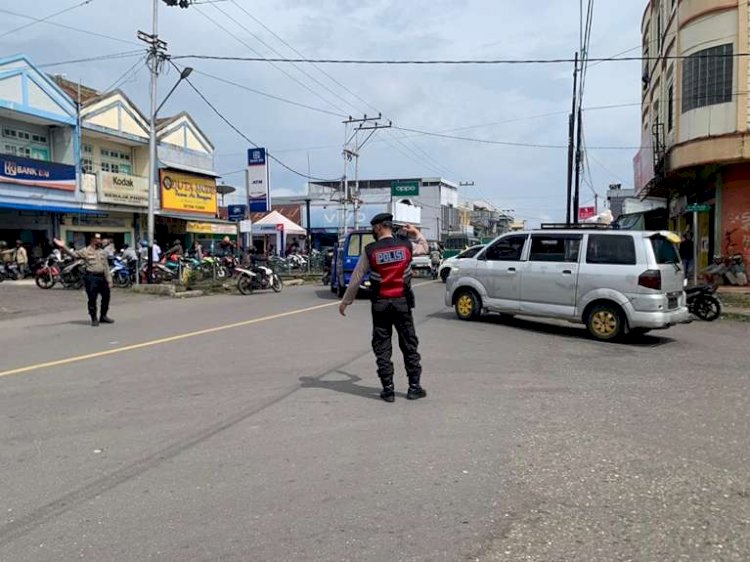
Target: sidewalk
(736,301)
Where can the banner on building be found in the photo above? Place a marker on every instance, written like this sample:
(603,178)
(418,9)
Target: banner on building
(210,228)
(586,213)
(188,193)
(36,173)
(122,189)
(258,180)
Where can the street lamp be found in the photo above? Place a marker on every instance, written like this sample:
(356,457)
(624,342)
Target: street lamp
(152,160)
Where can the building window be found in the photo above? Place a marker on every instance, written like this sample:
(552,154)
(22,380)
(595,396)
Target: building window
(88,165)
(707,77)
(25,144)
(116,161)
(87,149)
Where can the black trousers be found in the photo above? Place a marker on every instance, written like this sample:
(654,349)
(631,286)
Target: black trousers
(387,314)
(96,285)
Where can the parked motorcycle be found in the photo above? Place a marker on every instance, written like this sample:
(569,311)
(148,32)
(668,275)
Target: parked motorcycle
(68,273)
(123,272)
(703,303)
(258,277)
(10,271)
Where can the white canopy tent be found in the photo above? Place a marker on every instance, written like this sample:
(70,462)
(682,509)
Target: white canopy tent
(274,223)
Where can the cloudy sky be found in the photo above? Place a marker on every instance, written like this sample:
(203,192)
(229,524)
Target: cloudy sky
(518,104)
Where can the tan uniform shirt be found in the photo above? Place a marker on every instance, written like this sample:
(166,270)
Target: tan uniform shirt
(419,248)
(22,258)
(94,260)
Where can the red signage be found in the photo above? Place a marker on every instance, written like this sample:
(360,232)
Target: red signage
(280,227)
(586,213)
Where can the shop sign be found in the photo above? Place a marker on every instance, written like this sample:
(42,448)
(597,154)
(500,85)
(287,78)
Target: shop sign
(122,189)
(405,189)
(97,220)
(586,213)
(264,229)
(210,228)
(236,212)
(188,193)
(35,173)
(246,226)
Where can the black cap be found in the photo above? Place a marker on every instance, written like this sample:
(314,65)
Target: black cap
(381,218)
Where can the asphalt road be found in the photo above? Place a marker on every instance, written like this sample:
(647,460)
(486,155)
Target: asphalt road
(249,428)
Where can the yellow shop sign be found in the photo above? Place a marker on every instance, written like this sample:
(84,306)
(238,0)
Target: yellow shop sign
(186,193)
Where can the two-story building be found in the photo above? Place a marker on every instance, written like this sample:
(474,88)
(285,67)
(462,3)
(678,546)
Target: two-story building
(696,119)
(39,148)
(114,174)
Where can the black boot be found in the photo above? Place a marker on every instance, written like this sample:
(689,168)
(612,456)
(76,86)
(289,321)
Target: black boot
(106,320)
(94,321)
(415,391)
(389,393)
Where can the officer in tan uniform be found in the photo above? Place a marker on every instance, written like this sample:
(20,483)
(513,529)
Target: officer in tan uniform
(97,277)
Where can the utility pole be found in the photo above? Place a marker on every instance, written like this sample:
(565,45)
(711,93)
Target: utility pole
(157,55)
(352,148)
(579,160)
(571,141)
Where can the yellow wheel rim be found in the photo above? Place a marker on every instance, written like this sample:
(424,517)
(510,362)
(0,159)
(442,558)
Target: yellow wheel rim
(465,306)
(604,323)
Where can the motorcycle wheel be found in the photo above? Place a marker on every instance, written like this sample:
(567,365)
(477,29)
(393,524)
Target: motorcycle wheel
(45,281)
(123,281)
(707,308)
(222,272)
(276,284)
(245,285)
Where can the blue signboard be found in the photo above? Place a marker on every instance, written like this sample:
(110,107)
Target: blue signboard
(37,173)
(236,212)
(256,157)
(258,204)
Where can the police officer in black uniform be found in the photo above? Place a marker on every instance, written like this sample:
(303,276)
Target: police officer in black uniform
(388,260)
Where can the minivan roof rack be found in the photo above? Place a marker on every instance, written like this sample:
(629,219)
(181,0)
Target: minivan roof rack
(579,226)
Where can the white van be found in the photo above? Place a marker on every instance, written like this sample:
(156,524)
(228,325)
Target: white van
(615,282)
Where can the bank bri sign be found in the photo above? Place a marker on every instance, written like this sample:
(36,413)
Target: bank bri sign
(37,173)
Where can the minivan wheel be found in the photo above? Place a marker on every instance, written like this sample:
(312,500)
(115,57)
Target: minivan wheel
(605,322)
(467,306)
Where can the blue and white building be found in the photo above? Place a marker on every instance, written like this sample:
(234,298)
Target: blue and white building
(39,151)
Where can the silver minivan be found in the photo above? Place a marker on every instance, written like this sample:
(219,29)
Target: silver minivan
(615,282)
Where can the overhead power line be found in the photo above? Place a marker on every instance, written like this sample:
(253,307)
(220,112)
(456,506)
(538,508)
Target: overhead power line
(267,95)
(244,136)
(111,56)
(69,27)
(44,19)
(507,143)
(449,62)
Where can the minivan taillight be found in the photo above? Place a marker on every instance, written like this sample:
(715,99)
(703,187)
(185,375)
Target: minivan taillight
(650,279)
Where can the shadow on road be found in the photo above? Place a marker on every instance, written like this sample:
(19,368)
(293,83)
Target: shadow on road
(348,386)
(563,330)
(325,294)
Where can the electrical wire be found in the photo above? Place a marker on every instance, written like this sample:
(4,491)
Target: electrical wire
(111,56)
(69,27)
(116,84)
(447,61)
(44,19)
(244,136)
(267,95)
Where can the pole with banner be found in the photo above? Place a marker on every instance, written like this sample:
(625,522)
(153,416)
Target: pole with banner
(280,240)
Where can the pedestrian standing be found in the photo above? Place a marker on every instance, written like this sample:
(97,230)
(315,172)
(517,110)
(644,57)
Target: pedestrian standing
(156,252)
(97,277)
(687,256)
(388,261)
(22,258)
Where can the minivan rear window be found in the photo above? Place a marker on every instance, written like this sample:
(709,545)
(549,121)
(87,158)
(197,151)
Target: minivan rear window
(612,249)
(664,250)
(357,244)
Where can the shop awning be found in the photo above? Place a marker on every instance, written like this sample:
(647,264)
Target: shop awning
(197,224)
(191,169)
(48,208)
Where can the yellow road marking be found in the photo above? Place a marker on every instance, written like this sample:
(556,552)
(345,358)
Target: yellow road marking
(169,339)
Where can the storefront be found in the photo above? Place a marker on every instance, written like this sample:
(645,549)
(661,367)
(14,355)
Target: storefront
(76,230)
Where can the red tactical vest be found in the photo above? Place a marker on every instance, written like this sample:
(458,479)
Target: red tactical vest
(390,267)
